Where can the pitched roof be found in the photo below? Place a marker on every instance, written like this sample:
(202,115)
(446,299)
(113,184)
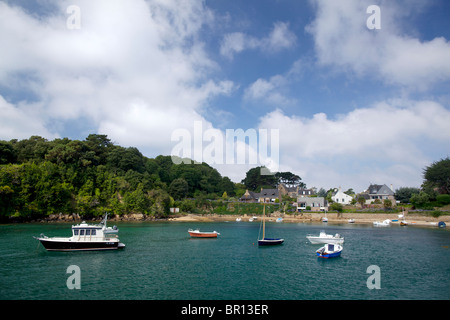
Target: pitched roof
(380,189)
(269,192)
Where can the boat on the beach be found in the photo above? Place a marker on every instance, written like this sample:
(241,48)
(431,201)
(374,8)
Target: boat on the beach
(85,237)
(384,223)
(279,220)
(403,223)
(267,241)
(323,237)
(329,250)
(238,219)
(351,220)
(441,224)
(203,234)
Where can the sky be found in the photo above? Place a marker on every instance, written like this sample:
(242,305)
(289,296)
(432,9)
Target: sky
(328,90)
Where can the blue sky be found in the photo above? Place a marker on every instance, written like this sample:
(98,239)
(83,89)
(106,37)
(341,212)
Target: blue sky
(352,106)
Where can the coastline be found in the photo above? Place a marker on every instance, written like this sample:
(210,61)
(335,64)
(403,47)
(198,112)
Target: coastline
(360,218)
(309,217)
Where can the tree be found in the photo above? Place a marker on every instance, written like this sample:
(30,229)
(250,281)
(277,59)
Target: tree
(322,193)
(253,179)
(289,179)
(7,154)
(420,199)
(387,204)
(179,189)
(404,194)
(438,175)
(361,200)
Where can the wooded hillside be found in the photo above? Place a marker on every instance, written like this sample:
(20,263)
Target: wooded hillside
(40,177)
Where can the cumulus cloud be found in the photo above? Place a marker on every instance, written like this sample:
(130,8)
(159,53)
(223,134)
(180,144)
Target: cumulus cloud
(279,38)
(343,40)
(137,70)
(357,146)
(275,90)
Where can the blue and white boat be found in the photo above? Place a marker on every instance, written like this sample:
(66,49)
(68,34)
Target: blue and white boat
(329,250)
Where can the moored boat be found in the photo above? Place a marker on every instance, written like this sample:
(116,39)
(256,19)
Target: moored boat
(267,241)
(323,237)
(203,234)
(403,223)
(385,223)
(329,250)
(84,237)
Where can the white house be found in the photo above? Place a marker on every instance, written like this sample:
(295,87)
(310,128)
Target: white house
(341,197)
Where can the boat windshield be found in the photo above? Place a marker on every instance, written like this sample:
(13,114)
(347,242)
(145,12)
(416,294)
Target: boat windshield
(331,247)
(82,232)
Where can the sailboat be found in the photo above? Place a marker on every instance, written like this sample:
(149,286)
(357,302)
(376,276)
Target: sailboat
(267,241)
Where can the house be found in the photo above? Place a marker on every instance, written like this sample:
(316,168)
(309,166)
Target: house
(249,196)
(266,195)
(378,192)
(341,197)
(269,195)
(290,191)
(306,192)
(316,203)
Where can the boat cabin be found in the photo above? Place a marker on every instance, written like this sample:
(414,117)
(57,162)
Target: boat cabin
(84,229)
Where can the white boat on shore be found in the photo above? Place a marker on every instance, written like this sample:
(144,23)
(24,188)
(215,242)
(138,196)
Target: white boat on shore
(385,223)
(325,238)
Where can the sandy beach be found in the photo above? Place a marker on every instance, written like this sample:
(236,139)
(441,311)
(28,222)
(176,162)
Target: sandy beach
(360,218)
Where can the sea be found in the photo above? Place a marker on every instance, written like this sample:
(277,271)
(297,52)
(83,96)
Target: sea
(162,262)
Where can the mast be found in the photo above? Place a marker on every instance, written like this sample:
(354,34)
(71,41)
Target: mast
(264,220)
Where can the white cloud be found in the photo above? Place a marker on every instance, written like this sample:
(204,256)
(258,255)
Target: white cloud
(136,69)
(343,40)
(23,117)
(385,143)
(275,90)
(279,38)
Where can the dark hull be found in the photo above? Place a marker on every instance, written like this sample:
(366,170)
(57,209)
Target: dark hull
(270,242)
(79,246)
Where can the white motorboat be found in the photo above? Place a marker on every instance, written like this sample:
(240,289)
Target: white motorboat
(384,223)
(325,238)
(238,219)
(85,237)
(351,220)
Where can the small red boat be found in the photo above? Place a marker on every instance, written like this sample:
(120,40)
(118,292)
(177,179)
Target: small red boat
(198,234)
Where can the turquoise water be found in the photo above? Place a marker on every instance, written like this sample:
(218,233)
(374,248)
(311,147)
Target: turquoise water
(162,262)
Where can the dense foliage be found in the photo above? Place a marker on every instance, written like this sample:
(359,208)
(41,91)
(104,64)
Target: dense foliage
(40,177)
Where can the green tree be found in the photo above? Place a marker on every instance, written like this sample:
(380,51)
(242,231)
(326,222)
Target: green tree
(7,154)
(387,204)
(438,175)
(361,200)
(179,189)
(420,200)
(404,194)
(254,179)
